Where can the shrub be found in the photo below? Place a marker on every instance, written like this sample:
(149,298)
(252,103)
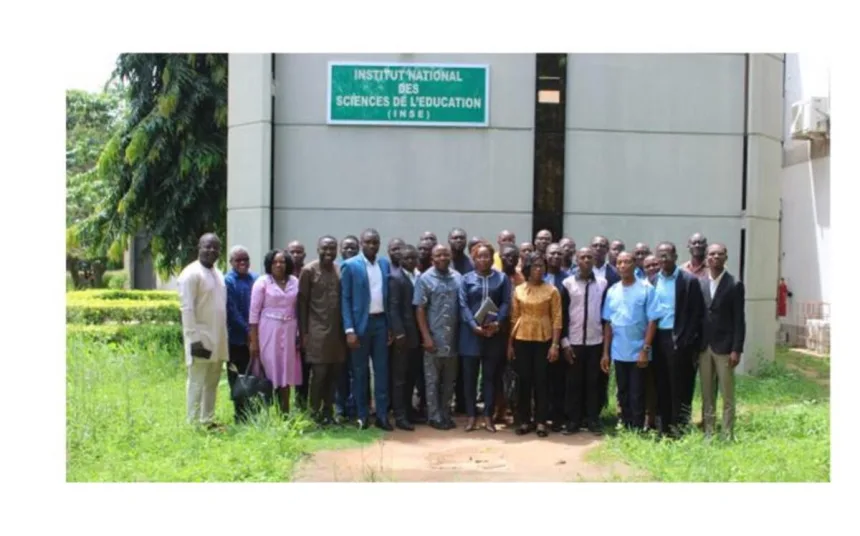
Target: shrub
(167,337)
(121,311)
(104,294)
(117,279)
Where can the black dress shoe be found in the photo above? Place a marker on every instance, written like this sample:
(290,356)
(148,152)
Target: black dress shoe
(384,425)
(449,424)
(403,424)
(570,428)
(437,425)
(361,424)
(595,428)
(557,427)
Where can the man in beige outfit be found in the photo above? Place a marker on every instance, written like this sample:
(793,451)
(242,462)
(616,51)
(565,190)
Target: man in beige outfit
(203,304)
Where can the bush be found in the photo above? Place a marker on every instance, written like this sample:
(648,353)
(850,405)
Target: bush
(121,311)
(103,294)
(167,337)
(117,279)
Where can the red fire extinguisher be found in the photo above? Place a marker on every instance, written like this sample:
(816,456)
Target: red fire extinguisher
(782,295)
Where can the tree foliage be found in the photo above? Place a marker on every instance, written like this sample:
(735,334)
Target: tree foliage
(91,119)
(164,172)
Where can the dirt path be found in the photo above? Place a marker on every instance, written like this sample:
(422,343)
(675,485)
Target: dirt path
(428,455)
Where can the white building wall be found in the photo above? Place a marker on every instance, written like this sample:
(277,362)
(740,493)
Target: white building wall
(655,151)
(401,180)
(806,263)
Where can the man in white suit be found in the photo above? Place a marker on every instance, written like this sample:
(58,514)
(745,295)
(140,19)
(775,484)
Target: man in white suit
(203,303)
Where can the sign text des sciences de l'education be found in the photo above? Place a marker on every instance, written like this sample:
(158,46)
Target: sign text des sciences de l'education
(408,89)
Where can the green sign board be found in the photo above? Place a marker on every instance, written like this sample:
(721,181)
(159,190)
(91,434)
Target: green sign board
(408,94)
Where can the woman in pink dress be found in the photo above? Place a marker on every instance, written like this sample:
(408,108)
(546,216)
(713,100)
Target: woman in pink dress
(274,325)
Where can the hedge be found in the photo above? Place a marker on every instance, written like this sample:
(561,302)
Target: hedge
(105,294)
(121,311)
(142,335)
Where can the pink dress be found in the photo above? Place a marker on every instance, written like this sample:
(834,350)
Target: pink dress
(274,311)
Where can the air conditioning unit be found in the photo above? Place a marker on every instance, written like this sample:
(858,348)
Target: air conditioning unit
(810,119)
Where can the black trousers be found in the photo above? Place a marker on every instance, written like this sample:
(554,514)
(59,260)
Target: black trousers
(583,385)
(417,384)
(240,355)
(459,391)
(488,364)
(406,363)
(557,378)
(322,388)
(690,391)
(675,378)
(631,392)
(532,371)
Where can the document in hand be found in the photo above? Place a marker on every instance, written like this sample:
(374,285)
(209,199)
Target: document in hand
(487,308)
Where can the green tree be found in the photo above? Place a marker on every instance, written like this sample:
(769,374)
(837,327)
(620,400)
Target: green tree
(165,172)
(91,119)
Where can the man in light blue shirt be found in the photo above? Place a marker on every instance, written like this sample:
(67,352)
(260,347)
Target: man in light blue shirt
(631,313)
(676,342)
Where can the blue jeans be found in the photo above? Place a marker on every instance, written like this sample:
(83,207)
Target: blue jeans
(374,347)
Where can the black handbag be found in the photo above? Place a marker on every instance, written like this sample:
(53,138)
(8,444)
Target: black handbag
(248,387)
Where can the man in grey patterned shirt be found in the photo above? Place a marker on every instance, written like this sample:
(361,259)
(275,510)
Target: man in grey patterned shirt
(437,312)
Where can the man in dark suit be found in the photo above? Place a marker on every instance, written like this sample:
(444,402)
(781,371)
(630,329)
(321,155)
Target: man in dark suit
(364,300)
(344,399)
(681,306)
(557,372)
(602,268)
(407,356)
(723,334)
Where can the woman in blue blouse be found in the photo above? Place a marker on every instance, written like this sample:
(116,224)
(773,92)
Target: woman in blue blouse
(480,342)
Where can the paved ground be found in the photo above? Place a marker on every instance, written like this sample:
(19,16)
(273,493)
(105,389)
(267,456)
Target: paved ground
(428,455)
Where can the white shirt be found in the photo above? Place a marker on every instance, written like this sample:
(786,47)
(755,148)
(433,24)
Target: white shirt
(714,283)
(601,271)
(203,304)
(374,279)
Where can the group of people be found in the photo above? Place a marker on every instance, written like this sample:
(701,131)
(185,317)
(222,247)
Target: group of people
(533,330)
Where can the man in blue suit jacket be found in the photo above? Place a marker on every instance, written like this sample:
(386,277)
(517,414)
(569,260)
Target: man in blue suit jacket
(364,299)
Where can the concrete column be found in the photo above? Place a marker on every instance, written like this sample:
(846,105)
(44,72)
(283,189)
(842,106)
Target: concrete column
(249,151)
(761,218)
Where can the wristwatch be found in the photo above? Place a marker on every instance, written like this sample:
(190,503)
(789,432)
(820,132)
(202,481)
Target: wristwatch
(646,347)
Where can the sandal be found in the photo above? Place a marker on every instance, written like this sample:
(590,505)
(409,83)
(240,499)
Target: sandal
(541,430)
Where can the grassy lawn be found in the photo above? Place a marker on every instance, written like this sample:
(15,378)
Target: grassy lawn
(125,389)
(782,430)
(125,422)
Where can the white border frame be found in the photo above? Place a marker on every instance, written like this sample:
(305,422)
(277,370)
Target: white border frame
(421,124)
